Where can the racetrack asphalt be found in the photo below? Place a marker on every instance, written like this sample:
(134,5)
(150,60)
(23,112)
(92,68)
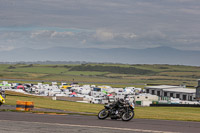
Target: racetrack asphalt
(46,123)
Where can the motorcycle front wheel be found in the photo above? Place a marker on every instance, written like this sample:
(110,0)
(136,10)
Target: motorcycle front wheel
(127,116)
(103,114)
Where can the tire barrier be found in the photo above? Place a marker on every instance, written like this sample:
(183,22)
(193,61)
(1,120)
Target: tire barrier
(20,105)
(29,106)
(24,105)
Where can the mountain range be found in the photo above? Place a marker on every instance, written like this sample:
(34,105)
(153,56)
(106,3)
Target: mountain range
(158,55)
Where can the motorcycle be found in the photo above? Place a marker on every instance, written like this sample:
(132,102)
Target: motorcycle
(124,112)
(2,100)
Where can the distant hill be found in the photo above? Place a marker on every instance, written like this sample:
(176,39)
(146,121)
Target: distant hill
(159,55)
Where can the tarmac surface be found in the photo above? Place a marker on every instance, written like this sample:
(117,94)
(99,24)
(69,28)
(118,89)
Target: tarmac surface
(23,122)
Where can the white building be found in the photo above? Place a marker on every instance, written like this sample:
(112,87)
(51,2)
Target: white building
(145,99)
(172,91)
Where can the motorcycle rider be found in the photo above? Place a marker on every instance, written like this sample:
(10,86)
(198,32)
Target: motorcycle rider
(121,108)
(116,106)
(121,102)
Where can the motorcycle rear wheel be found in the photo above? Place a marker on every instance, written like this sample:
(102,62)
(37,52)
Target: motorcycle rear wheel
(103,114)
(127,116)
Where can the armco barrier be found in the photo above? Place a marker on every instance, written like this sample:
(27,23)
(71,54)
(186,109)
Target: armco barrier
(175,105)
(24,105)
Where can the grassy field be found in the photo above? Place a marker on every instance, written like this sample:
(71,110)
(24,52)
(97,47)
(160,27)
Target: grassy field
(165,113)
(140,74)
(111,74)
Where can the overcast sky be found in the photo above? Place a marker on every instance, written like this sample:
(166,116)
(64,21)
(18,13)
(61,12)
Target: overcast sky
(133,24)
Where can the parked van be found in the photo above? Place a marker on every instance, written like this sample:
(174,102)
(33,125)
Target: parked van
(96,100)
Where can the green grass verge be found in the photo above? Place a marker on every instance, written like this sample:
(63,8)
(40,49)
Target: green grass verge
(45,102)
(160,74)
(164,113)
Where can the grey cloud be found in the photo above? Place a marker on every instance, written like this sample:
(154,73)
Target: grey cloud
(153,36)
(105,23)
